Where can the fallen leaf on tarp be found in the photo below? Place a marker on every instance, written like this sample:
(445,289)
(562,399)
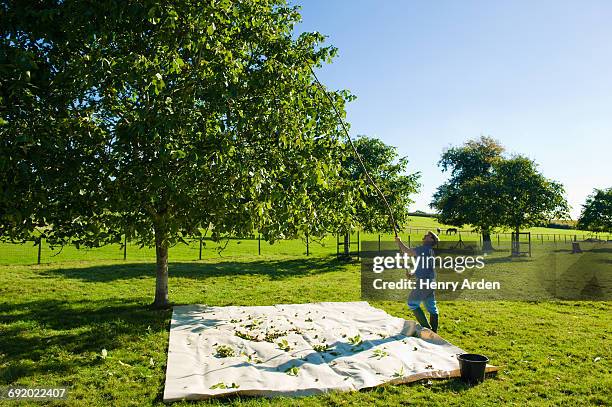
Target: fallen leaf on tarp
(399,373)
(222,385)
(293,371)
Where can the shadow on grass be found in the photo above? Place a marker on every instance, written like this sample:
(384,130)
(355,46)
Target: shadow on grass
(274,269)
(507,259)
(30,346)
(52,335)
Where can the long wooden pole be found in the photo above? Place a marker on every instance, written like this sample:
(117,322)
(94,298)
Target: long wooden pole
(365,170)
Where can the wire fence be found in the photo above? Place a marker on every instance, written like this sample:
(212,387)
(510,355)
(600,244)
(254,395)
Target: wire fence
(40,252)
(563,235)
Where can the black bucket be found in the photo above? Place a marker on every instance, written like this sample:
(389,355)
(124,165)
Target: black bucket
(472,367)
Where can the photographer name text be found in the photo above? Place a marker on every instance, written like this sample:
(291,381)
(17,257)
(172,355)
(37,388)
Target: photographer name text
(406,284)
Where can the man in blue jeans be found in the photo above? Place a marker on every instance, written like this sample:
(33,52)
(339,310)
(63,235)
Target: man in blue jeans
(424,271)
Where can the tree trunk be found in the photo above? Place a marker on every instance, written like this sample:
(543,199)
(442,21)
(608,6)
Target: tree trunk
(487,246)
(161,282)
(347,245)
(516,245)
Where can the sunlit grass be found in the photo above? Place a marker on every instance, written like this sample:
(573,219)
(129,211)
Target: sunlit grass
(55,319)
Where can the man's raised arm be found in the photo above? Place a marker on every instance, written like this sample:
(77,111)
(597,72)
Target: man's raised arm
(403,248)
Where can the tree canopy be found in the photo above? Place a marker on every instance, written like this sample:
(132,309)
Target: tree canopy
(527,198)
(597,211)
(468,197)
(158,121)
(487,189)
(388,170)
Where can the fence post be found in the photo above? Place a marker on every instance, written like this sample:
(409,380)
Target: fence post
(408,240)
(529,244)
(259,244)
(379,242)
(39,249)
(358,243)
(124,247)
(307,245)
(200,255)
(498,239)
(541,238)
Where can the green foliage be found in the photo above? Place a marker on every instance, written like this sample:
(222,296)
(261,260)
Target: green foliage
(293,371)
(597,211)
(222,385)
(488,190)
(355,340)
(468,197)
(387,169)
(284,345)
(321,347)
(224,351)
(379,353)
(527,198)
(205,115)
(399,373)
(560,225)
(160,122)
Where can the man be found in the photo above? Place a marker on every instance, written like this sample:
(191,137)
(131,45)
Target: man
(423,271)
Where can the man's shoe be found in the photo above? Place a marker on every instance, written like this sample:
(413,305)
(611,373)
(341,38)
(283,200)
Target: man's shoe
(421,318)
(433,320)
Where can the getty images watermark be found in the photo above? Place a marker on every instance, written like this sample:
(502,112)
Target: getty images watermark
(452,269)
(411,264)
(460,270)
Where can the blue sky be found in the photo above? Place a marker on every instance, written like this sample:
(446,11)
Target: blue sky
(537,76)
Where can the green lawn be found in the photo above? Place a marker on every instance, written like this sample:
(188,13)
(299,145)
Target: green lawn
(56,318)
(27,253)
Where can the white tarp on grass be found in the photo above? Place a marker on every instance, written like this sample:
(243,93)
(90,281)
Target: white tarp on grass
(298,349)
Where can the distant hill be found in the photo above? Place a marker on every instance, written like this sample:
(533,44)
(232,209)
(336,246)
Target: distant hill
(422,213)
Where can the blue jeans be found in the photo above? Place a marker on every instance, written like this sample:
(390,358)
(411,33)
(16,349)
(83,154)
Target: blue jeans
(418,296)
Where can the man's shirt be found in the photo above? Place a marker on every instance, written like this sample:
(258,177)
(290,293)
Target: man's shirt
(425,268)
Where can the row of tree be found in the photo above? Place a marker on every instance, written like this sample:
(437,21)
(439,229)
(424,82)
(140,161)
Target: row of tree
(488,189)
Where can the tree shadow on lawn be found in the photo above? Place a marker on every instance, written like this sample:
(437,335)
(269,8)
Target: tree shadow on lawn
(507,259)
(84,329)
(274,269)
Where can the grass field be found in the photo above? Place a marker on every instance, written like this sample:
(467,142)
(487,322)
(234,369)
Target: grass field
(27,253)
(55,320)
